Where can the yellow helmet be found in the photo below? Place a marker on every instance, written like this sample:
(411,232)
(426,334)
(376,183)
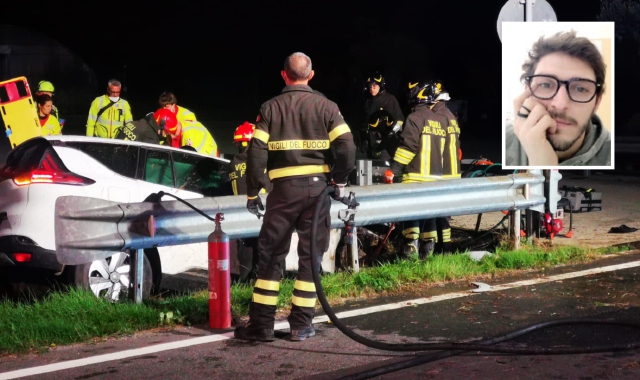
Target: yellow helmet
(45,86)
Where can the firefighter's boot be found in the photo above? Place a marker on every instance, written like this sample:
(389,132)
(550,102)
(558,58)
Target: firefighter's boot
(426,248)
(410,247)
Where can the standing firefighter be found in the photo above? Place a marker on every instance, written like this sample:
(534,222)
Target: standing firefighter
(419,159)
(375,121)
(297,134)
(450,163)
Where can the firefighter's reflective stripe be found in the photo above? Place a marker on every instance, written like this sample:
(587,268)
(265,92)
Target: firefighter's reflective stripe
(446,235)
(338,131)
(110,120)
(261,135)
(303,302)
(305,286)
(19,111)
(403,156)
(265,300)
(415,177)
(429,235)
(51,127)
(196,135)
(234,186)
(268,285)
(298,170)
(411,232)
(298,145)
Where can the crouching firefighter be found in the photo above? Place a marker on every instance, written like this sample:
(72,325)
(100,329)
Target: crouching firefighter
(144,130)
(297,134)
(419,159)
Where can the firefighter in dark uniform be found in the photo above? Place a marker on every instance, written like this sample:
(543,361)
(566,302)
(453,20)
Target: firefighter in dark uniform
(144,130)
(247,248)
(379,100)
(298,133)
(419,159)
(450,162)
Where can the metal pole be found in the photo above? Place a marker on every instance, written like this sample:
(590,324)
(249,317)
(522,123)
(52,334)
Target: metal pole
(528,10)
(138,280)
(514,227)
(355,265)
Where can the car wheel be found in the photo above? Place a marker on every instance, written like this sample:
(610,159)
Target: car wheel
(112,277)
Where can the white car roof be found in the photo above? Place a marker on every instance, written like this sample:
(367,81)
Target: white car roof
(103,140)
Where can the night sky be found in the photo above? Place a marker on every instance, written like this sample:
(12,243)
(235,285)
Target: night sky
(222,58)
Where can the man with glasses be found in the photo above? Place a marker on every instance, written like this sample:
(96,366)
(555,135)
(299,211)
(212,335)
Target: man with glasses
(556,122)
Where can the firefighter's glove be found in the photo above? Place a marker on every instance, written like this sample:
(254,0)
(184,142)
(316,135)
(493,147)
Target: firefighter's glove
(341,194)
(396,129)
(394,173)
(254,205)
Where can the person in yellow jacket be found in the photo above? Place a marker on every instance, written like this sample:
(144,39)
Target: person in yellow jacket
(49,123)
(46,88)
(196,135)
(108,113)
(168,100)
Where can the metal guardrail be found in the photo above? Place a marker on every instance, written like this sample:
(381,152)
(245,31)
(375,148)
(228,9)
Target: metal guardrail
(89,229)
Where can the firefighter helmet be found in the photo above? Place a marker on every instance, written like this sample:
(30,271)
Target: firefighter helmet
(166,120)
(45,86)
(244,133)
(378,79)
(426,91)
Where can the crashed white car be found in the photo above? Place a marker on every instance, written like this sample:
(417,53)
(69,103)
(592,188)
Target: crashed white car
(40,170)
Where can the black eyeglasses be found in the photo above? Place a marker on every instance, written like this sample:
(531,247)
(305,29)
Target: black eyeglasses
(545,87)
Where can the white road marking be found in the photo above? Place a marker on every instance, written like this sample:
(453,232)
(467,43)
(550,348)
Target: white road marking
(285,325)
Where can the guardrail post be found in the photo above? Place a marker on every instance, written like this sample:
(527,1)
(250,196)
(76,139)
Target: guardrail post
(137,262)
(355,264)
(514,228)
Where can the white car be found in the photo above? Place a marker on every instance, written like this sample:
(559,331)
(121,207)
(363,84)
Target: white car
(40,170)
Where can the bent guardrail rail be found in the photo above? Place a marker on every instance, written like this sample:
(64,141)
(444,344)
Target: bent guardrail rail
(89,229)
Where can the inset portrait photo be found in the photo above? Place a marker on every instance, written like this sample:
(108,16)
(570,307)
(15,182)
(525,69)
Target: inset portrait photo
(557,95)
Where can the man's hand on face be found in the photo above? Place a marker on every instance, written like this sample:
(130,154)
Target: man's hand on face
(532,130)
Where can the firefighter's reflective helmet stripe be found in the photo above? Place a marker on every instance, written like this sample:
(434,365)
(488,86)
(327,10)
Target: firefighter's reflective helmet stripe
(265,300)
(261,135)
(403,156)
(411,232)
(303,302)
(268,285)
(298,170)
(338,131)
(305,286)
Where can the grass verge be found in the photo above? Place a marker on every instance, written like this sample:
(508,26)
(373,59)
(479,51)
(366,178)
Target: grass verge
(77,316)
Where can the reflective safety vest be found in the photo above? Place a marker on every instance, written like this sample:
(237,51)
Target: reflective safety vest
(54,112)
(50,126)
(111,119)
(184,115)
(196,135)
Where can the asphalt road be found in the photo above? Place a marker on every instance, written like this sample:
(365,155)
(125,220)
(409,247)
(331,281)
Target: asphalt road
(449,312)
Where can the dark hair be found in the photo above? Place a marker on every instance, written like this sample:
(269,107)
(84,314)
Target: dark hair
(167,98)
(567,43)
(42,99)
(298,66)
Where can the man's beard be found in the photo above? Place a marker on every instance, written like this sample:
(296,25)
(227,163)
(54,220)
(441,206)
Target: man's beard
(561,144)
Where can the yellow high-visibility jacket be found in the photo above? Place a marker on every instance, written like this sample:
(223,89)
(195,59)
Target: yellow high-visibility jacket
(50,126)
(184,115)
(196,135)
(111,120)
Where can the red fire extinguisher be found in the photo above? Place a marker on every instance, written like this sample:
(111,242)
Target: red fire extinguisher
(219,278)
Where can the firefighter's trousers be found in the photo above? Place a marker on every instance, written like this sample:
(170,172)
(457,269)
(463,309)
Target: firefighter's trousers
(290,206)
